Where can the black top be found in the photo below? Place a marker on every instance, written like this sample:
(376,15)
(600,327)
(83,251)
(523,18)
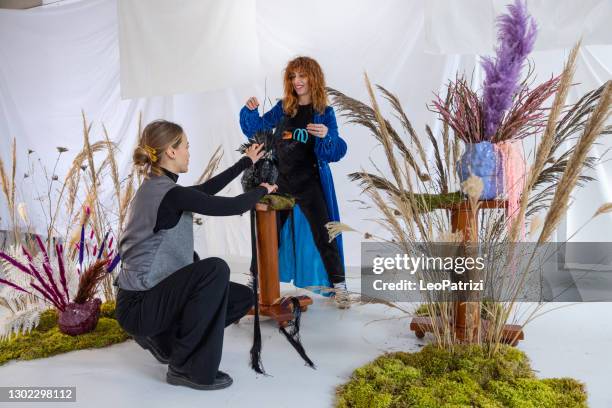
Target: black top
(200,198)
(297,162)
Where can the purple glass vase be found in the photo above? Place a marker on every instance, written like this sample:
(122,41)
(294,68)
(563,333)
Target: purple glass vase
(79,318)
(483,160)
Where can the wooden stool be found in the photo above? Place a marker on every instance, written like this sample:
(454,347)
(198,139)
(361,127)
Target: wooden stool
(467,314)
(270,303)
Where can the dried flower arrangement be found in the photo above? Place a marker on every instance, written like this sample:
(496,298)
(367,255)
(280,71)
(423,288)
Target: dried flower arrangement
(506,112)
(76,316)
(412,219)
(84,249)
(76,201)
(412,205)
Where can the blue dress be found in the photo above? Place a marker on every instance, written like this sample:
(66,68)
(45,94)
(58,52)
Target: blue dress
(306,267)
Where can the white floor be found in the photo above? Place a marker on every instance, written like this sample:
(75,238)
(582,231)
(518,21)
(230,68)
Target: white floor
(573,341)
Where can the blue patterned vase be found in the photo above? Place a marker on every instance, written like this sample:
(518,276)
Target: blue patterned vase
(482,160)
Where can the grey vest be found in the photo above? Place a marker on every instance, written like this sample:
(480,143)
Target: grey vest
(147,257)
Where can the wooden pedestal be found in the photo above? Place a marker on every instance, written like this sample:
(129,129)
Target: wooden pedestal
(467,314)
(270,302)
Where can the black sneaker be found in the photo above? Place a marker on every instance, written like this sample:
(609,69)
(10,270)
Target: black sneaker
(148,344)
(174,377)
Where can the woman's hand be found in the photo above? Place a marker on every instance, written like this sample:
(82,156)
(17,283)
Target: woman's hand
(271,188)
(252,103)
(318,130)
(255,152)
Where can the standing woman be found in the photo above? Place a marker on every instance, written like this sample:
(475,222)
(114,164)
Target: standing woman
(172,303)
(306,141)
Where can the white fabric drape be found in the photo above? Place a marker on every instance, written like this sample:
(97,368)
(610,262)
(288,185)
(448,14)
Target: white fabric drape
(468,26)
(59,59)
(194,46)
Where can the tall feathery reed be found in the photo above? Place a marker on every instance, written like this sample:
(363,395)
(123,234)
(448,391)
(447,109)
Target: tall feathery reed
(211,166)
(407,200)
(547,140)
(9,188)
(594,127)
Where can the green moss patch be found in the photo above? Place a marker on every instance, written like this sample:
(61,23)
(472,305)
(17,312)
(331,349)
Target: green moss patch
(428,202)
(278,201)
(467,377)
(46,339)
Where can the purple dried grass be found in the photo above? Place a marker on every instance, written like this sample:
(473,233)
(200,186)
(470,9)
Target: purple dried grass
(81,245)
(15,263)
(13,285)
(59,250)
(48,271)
(516,36)
(113,263)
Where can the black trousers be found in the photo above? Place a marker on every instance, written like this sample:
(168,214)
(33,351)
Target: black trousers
(186,314)
(309,196)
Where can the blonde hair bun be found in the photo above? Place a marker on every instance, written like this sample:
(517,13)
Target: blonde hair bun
(156,137)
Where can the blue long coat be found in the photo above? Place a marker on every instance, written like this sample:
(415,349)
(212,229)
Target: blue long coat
(306,268)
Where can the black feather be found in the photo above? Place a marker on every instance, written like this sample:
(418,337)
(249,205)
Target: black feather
(266,168)
(292,331)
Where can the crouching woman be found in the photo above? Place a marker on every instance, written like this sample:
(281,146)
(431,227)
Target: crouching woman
(172,303)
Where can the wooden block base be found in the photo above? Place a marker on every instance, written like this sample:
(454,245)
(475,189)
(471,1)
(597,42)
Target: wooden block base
(282,312)
(511,334)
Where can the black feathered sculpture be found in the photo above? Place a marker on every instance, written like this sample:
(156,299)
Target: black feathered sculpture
(265,170)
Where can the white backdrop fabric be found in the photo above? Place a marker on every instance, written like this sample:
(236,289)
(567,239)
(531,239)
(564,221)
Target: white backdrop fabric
(59,59)
(467,26)
(201,45)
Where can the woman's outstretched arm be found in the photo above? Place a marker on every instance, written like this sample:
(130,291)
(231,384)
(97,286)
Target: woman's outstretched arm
(189,199)
(251,122)
(180,199)
(252,154)
(218,182)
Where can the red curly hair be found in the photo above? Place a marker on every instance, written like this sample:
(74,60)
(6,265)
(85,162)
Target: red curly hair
(316,83)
